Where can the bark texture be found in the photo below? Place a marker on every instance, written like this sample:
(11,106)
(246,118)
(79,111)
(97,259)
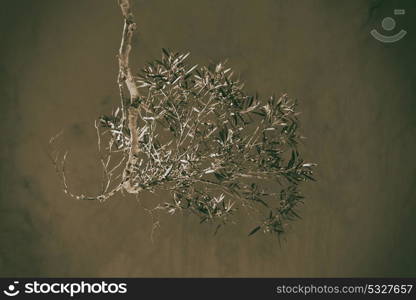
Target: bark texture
(126,79)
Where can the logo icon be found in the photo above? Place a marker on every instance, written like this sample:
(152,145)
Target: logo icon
(389,24)
(11,289)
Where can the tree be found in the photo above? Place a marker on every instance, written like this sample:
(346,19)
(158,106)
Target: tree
(194,133)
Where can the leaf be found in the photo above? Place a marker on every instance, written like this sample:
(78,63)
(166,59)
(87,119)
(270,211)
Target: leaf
(218,68)
(191,69)
(261,201)
(235,119)
(254,230)
(260,113)
(223,134)
(295,214)
(308,165)
(219,176)
(292,160)
(167,172)
(309,177)
(166,52)
(249,109)
(160,63)
(185,56)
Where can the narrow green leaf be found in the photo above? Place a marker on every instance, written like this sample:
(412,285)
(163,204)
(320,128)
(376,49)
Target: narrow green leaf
(254,230)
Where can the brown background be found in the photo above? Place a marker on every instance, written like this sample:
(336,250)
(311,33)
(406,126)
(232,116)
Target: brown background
(357,95)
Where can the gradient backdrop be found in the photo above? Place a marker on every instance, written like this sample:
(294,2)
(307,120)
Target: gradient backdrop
(357,95)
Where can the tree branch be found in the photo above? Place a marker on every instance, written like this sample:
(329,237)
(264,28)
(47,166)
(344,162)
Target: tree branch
(126,77)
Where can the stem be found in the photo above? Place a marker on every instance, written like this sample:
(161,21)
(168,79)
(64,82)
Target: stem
(126,77)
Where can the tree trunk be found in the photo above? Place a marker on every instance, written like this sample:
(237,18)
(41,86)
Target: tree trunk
(125,78)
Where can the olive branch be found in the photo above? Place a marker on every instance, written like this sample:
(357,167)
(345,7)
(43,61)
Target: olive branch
(193,133)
